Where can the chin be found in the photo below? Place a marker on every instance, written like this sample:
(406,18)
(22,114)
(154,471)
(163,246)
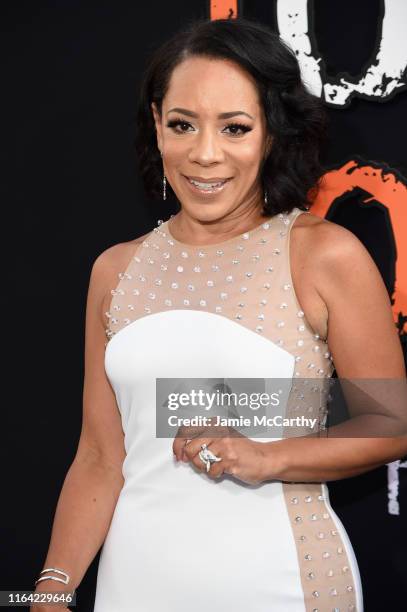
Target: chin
(207,211)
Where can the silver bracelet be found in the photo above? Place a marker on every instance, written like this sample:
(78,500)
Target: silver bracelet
(53,569)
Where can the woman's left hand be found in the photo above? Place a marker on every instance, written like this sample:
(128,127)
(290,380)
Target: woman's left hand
(245,459)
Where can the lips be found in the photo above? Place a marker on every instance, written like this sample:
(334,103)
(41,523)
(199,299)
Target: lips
(207,185)
(216,179)
(207,189)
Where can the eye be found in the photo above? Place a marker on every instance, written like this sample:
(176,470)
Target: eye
(240,126)
(175,123)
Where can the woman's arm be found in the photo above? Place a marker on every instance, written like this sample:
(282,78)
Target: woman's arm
(94,479)
(364,344)
(83,514)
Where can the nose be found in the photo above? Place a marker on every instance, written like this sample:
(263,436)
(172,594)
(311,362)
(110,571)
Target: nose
(206,148)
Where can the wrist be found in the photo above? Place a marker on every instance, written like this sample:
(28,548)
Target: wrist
(52,586)
(275,462)
(53,579)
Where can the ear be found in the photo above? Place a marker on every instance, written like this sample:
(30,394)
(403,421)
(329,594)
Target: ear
(157,122)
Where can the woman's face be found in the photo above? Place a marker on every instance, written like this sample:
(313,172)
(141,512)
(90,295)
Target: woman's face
(196,142)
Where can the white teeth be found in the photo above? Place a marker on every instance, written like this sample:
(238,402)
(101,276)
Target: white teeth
(207,185)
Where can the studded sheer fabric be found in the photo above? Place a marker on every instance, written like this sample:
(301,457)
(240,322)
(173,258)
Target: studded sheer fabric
(177,538)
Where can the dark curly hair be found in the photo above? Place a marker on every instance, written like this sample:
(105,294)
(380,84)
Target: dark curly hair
(296,119)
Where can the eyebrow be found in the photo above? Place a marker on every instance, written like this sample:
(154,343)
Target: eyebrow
(184,111)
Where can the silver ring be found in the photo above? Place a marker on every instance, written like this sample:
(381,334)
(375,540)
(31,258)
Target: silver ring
(207,456)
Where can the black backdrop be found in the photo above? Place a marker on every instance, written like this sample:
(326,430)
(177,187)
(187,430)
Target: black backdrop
(70,75)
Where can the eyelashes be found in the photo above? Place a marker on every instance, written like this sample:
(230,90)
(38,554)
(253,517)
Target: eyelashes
(174,123)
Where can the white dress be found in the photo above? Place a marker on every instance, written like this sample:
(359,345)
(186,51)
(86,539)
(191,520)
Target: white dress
(178,540)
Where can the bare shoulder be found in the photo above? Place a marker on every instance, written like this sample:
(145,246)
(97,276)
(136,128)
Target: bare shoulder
(110,263)
(118,255)
(321,253)
(346,298)
(315,229)
(344,265)
(327,243)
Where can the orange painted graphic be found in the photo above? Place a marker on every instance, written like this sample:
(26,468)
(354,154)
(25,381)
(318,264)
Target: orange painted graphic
(223,9)
(387,187)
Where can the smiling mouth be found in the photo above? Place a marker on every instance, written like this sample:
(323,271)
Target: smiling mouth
(207,186)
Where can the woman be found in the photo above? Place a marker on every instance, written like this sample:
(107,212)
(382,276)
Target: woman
(243,282)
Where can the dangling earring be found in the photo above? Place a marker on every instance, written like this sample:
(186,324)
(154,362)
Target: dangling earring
(265,197)
(164,184)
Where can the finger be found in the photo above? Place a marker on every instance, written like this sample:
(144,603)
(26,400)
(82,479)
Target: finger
(205,436)
(202,465)
(178,446)
(191,450)
(184,434)
(216,470)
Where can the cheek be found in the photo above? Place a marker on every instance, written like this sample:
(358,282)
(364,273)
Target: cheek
(175,153)
(247,161)
(250,152)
